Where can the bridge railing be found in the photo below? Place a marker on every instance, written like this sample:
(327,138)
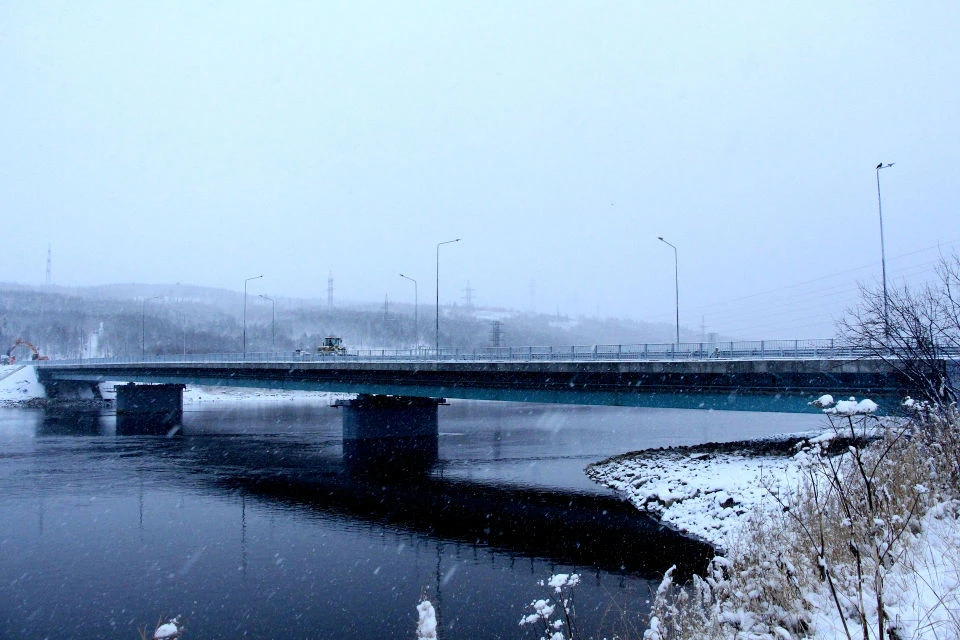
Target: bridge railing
(717,350)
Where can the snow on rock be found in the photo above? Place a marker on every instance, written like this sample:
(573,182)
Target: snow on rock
(18,383)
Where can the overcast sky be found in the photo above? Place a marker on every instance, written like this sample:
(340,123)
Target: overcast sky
(206,143)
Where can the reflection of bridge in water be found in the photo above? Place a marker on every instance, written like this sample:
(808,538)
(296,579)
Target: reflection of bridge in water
(560,525)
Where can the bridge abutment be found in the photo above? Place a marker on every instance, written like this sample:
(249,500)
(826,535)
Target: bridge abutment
(144,409)
(390,433)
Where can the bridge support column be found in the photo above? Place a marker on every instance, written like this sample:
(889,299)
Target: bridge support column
(147,409)
(390,433)
(71,390)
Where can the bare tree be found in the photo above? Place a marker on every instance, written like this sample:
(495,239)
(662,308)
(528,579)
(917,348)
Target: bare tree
(919,335)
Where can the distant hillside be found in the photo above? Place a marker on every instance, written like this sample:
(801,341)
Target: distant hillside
(123,319)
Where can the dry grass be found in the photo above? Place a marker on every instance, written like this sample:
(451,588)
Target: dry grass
(829,543)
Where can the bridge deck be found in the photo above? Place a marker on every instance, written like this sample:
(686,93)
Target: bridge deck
(766,382)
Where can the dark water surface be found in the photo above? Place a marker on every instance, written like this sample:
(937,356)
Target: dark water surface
(249,525)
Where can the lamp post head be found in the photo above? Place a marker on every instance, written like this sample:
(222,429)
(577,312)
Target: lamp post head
(660,238)
(885,166)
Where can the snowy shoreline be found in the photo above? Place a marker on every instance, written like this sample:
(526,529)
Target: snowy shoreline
(703,490)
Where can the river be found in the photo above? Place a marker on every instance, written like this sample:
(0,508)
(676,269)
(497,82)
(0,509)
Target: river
(248,523)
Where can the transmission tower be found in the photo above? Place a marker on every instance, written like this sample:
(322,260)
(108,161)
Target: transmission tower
(496,333)
(468,297)
(330,291)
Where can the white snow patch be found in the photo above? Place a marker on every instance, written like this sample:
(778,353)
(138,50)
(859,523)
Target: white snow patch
(19,383)
(196,395)
(853,408)
(494,314)
(826,400)
(168,630)
(427,621)
(704,495)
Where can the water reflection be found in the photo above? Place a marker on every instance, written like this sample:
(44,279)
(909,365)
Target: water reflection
(562,526)
(250,522)
(68,420)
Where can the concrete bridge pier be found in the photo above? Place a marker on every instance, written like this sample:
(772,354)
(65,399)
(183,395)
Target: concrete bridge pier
(383,434)
(149,409)
(71,389)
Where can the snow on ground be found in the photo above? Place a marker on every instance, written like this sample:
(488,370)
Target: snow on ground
(708,491)
(18,383)
(932,572)
(692,490)
(494,314)
(194,395)
(705,490)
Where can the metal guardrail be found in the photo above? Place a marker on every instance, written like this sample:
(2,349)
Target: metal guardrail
(732,350)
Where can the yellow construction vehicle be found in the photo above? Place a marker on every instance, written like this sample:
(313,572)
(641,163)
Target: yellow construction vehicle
(333,345)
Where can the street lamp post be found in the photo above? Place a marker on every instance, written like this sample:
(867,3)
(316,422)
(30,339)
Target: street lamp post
(676,284)
(437,336)
(143,324)
(416,307)
(273,322)
(245,312)
(883,253)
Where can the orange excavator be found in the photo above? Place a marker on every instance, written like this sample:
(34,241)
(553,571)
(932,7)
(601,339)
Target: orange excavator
(9,358)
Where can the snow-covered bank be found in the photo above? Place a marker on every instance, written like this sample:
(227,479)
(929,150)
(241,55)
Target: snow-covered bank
(18,384)
(828,539)
(705,490)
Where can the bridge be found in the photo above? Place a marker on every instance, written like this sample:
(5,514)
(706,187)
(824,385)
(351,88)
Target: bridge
(766,375)
(400,390)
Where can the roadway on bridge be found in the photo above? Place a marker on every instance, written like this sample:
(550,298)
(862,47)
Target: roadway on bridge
(781,384)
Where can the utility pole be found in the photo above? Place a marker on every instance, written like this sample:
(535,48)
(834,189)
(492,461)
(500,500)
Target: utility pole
(883,252)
